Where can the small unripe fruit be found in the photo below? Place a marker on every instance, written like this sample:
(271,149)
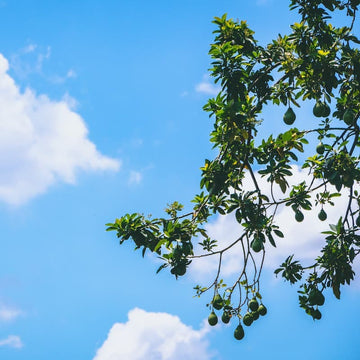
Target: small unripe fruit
(316,297)
(212,319)
(349,117)
(322,215)
(262,310)
(180,270)
(253,304)
(289,116)
(187,249)
(316,314)
(320,300)
(299,216)
(326,110)
(255,315)
(225,318)
(257,244)
(239,332)
(218,302)
(320,149)
(318,109)
(177,253)
(247,319)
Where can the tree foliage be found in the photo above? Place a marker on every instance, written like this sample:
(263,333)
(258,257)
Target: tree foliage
(317,63)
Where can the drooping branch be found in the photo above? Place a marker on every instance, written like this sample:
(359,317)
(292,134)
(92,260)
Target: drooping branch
(315,62)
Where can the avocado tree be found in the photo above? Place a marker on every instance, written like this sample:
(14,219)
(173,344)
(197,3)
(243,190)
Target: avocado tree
(317,63)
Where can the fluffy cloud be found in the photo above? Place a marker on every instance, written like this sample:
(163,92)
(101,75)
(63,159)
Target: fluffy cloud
(302,239)
(206,87)
(12,341)
(41,142)
(154,336)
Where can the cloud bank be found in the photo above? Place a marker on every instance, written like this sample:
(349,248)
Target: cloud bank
(41,142)
(154,336)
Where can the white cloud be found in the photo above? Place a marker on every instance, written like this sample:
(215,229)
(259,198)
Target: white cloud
(29,48)
(70,101)
(135,177)
(71,74)
(12,341)
(302,239)
(154,336)
(57,79)
(41,57)
(9,313)
(206,87)
(41,142)
(29,60)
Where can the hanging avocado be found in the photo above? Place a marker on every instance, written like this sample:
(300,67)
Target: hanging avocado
(318,109)
(320,149)
(326,110)
(289,116)
(349,117)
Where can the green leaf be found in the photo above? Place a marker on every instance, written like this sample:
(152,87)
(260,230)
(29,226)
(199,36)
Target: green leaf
(111,228)
(238,216)
(278,233)
(336,290)
(282,185)
(271,239)
(161,267)
(159,244)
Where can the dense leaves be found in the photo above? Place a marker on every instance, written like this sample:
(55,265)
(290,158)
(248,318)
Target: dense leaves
(317,63)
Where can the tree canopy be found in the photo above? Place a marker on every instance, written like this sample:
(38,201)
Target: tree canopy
(316,62)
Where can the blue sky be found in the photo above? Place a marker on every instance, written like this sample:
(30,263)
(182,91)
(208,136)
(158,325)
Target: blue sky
(101,114)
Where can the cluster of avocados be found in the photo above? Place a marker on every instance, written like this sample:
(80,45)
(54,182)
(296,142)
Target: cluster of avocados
(180,262)
(316,298)
(299,216)
(254,311)
(320,109)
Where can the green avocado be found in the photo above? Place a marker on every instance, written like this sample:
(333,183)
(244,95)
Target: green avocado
(289,116)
